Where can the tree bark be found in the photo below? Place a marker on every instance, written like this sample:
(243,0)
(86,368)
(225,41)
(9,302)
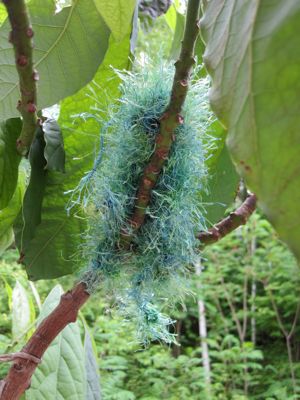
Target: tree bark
(235,219)
(25,362)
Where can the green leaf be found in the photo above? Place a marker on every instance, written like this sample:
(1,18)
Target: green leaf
(69,47)
(9,292)
(54,152)
(6,239)
(222,187)
(9,159)
(118,15)
(177,39)
(51,245)
(30,216)
(222,179)
(178,35)
(61,375)
(171,17)
(22,316)
(92,375)
(46,153)
(3,13)
(9,213)
(253,55)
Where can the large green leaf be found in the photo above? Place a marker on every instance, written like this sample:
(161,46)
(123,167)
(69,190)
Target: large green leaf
(55,240)
(46,153)
(30,215)
(93,391)
(54,146)
(177,40)
(9,159)
(178,35)
(9,213)
(171,17)
(253,55)
(61,375)
(69,47)
(222,181)
(118,15)
(23,314)
(3,13)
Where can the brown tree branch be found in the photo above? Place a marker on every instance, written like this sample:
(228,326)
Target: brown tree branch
(25,362)
(21,39)
(169,121)
(235,219)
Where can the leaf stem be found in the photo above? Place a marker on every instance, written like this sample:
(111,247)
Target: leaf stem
(169,121)
(21,39)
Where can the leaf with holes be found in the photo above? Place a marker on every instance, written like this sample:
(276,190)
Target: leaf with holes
(253,55)
(69,47)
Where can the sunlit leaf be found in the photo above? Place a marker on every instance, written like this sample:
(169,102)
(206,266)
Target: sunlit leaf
(69,47)
(118,15)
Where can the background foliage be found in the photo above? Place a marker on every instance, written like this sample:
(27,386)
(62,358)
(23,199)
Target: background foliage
(251,365)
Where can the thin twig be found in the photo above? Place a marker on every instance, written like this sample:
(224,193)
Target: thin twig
(169,121)
(21,39)
(235,219)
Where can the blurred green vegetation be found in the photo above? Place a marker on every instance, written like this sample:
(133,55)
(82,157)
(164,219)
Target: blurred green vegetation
(246,343)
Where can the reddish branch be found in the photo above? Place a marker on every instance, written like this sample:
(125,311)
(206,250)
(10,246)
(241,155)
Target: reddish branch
(21,39)
(169,121)
(235,219)
(25,362)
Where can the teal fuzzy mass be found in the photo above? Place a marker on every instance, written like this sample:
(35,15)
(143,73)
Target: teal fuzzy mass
(166,244)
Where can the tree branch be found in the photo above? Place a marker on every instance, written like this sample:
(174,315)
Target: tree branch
(169,121)
(235,219)
(21,39)
(25,362)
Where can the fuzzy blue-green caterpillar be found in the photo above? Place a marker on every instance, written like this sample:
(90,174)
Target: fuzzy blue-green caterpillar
(166,244)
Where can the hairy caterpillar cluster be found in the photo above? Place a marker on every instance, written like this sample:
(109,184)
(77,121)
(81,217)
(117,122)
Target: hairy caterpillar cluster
(151,271)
